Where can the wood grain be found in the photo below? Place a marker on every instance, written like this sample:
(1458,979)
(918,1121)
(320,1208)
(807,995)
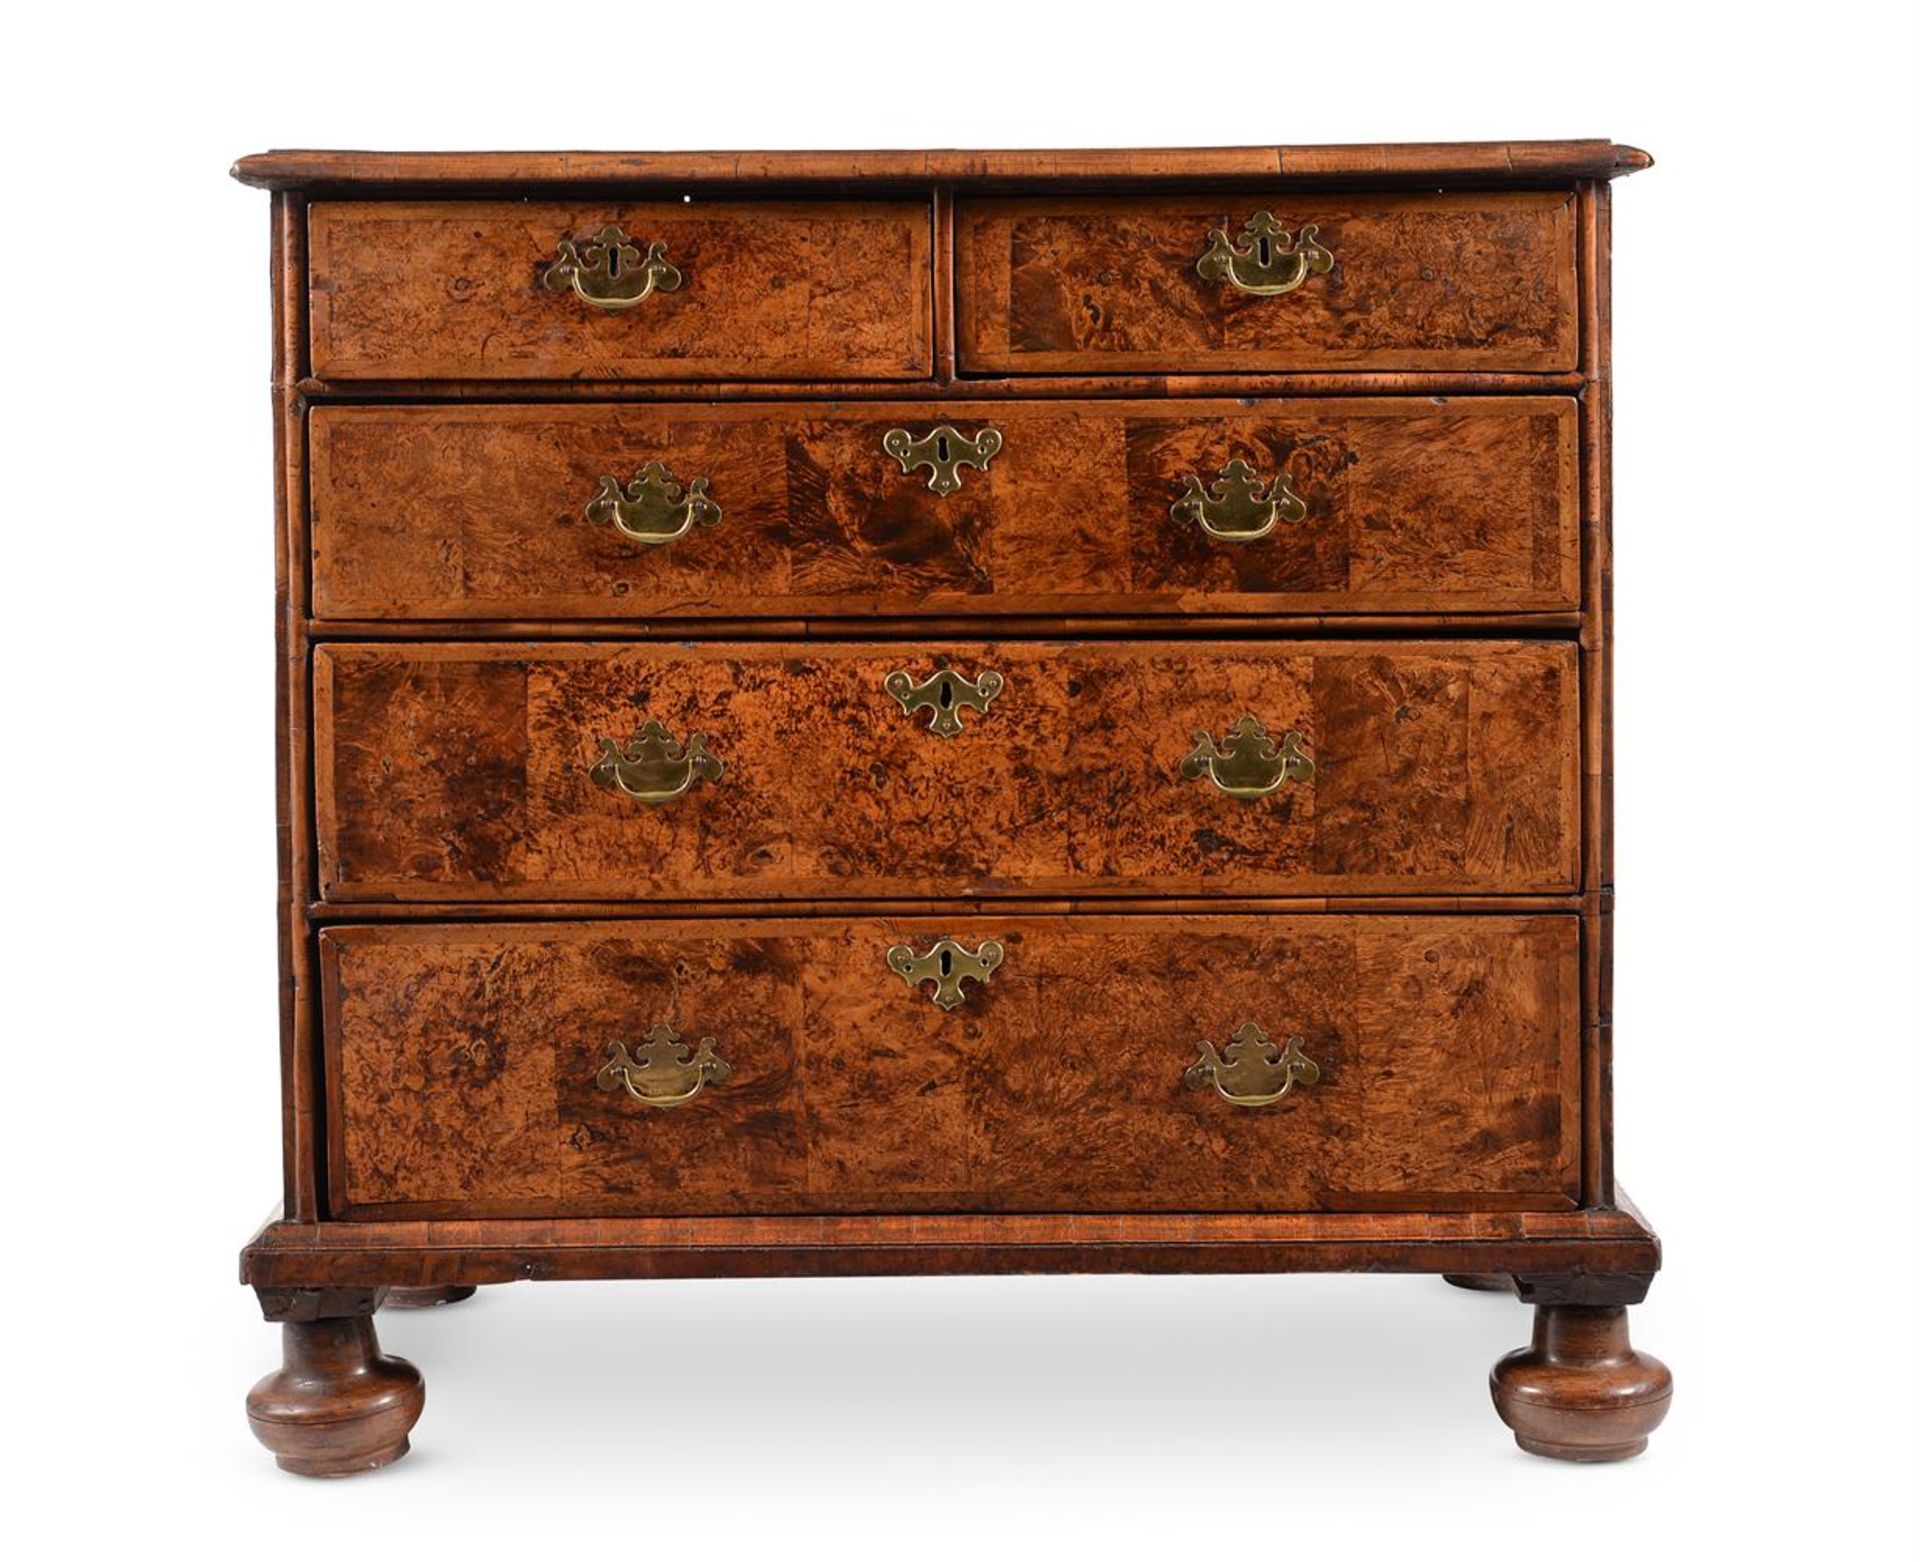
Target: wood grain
(462,1064)
(1480,281)
(451,769)
(475,513)
(444,289)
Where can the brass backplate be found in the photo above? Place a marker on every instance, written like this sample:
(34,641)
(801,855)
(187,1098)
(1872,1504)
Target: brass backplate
(946,694)
(947,964)
(943,451)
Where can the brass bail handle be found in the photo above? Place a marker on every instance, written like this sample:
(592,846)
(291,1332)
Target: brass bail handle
(654,507)
(1268,261)
(1238,506)
(653,768)
(1247,763)
(661,1071)
(610,271)
(1252,1071)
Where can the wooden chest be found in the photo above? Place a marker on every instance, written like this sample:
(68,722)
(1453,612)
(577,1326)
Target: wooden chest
(944,712)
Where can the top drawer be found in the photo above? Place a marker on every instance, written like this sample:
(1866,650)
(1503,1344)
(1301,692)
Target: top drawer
(741,290)
(1101,285)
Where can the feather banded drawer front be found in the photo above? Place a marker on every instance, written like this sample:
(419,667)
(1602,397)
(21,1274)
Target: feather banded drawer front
(902,713)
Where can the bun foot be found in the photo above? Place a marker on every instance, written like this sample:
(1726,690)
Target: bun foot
(337,1407)
(1581,1391)
(426,1295)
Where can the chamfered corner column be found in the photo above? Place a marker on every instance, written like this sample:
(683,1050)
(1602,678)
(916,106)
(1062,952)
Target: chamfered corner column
(1581,1391)
(337,1406)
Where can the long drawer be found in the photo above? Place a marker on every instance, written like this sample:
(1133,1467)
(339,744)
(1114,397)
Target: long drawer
(1475,280)
(1105,1063)
(593,771)
(620,512)
(647,290)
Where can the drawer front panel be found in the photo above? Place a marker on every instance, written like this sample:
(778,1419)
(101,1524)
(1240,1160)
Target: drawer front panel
(479,772)
(1478,281)
(465,1066)
(1388,506)
(469,290)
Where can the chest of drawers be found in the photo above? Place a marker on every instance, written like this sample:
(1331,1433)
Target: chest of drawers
(944,712)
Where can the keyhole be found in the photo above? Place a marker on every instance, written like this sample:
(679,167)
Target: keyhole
(946,962)
(613,260)
(1264,249)
(940,448)
(946,695)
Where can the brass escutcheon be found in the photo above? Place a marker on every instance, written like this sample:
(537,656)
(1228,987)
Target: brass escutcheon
(946,965)
(659,1072)
(654,508)
(610,272)
(946,693)
(1272,262)
(1247,763)
(944,450)
(1238,508)
(1254,1071)
(653,767)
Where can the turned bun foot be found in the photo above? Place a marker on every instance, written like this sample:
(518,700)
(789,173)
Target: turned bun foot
(337,1407)
(1581,1391)
(426,1295)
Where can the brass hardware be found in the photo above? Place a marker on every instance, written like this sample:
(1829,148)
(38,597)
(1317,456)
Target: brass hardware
(946,693)
(659,1072)
(653,767)
(1238,509)
(944,450)
(653,508)
(946,965)
(609,271)
(1254,1071)
(1247,763)
(1273,261)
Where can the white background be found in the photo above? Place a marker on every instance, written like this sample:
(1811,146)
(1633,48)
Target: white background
(1766,361)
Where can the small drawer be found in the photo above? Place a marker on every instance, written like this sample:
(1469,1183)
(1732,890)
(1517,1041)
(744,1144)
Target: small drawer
(1142,1063)
(522,513)
(605,772)
(1308,282)
(657,290)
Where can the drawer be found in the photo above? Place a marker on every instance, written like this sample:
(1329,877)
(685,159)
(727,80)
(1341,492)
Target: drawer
(570,772)
(1115,284)
(743,289)
(617,512)
(1427,1062)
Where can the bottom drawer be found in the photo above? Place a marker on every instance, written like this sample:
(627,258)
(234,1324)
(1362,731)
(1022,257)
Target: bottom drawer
(513,1069)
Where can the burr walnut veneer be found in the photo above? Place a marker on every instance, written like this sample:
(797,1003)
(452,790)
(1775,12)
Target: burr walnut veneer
(890,713)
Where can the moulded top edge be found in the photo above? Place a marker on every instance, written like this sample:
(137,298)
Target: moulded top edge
(1519,162)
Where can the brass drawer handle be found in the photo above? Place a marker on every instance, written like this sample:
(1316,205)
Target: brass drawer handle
(659,1072)
(947,964)
(1247,763)
(946,694)
(943,450)
(1272,262)
(610,272)
(1254,1071)
(1238,508)
(653,767)
(654,508)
